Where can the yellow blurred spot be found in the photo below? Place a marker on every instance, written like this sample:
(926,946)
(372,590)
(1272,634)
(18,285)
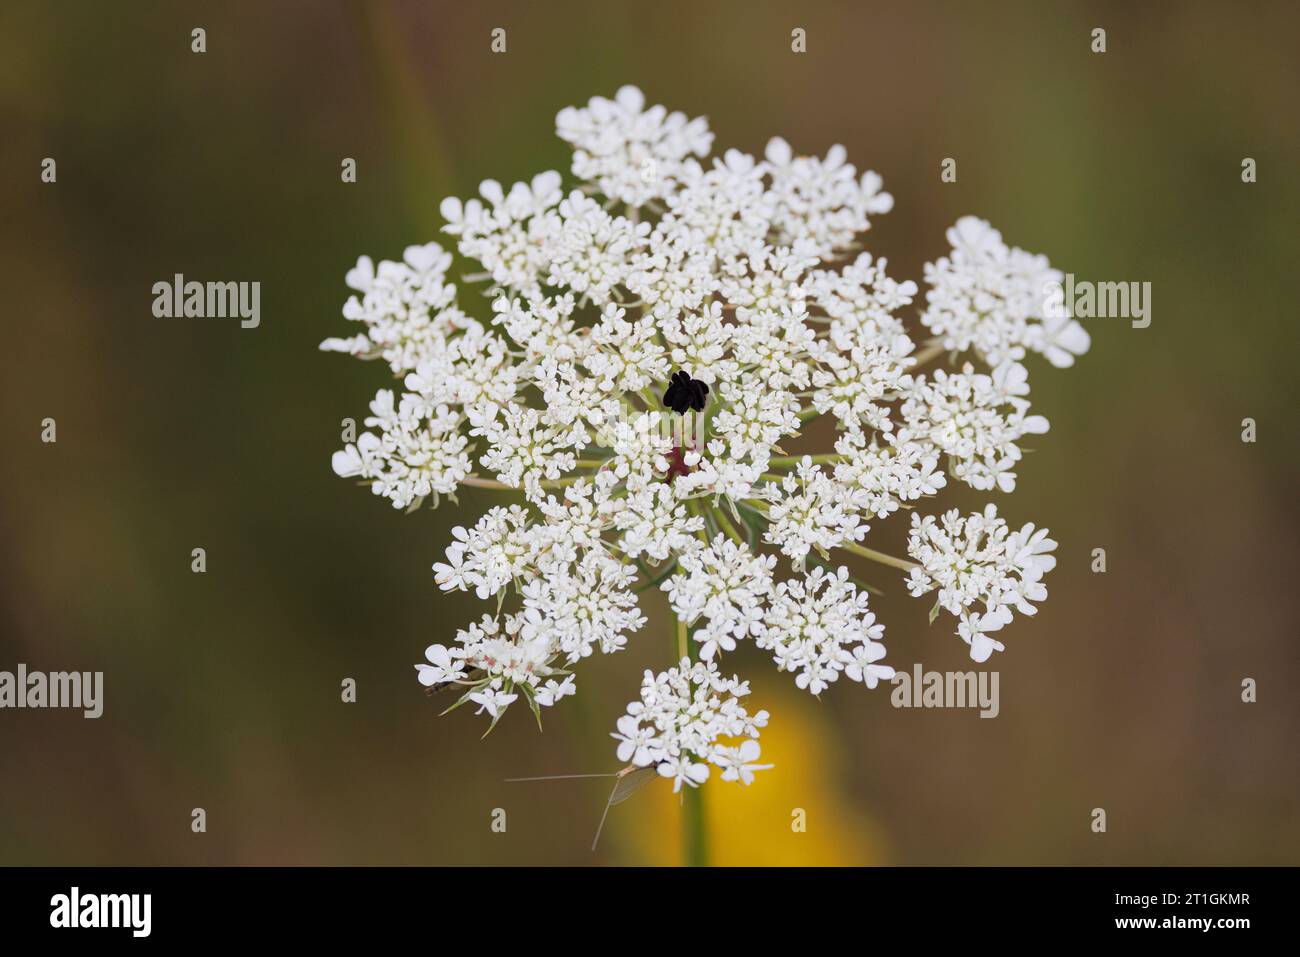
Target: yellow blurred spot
(752,825)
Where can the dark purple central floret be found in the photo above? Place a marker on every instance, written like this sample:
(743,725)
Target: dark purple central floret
(685,393)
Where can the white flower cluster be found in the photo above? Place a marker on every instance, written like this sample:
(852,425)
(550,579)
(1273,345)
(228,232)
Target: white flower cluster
(406,307)
(724,587)
(978,560)
(998,302)
(654,343)
(684,716)
(632,154)
(976,420)
(418,452)
(821,626)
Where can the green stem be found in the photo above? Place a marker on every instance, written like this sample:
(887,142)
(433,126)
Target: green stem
(760,509)
(473,481)
(727,527)
(796,459)
(932,350)
(695,845)
(876,556)
(695,842)
(693,506)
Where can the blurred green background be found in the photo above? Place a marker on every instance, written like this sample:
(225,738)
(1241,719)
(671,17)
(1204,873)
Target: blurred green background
(222,690)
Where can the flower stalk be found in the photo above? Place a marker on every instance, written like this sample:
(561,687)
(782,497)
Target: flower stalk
(695,844)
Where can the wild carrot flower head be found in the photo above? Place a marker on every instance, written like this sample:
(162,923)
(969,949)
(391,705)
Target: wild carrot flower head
(657,335)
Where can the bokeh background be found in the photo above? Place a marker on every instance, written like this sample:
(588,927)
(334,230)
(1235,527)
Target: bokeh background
(222,689)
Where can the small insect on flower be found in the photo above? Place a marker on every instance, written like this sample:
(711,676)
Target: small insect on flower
(685,393)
